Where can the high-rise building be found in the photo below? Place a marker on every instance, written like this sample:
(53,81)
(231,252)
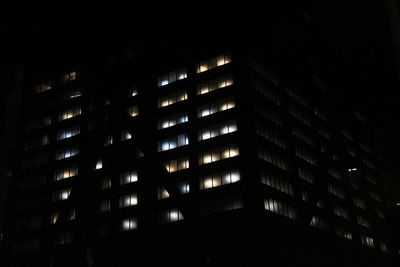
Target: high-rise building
(171,153)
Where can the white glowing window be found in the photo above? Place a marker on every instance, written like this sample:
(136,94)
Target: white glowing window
(128,201)
(184,187)
(171,77)
(171,215)
(74,94)
(128,224)
(172,120)
(133,111)
(67,153)
(174,142)
(176,164)
(128,177)
(217,129)
(280,208)
(108,141)
(125,135)
(43,87)
(99,165)
(213,62)
(69,113)
(133,92)
(221,105)
(69,77)
(67,133)
(162,193)
(54,217)
(65,173)
(61,194)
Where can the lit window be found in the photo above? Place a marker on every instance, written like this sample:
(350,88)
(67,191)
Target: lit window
(359,203)
(273,158)
(341,212)
(221,105)
(105,183)
(67,153)
(367,241)
(69,113)
(172,120)
(75,94)
(67,133)
(280,208)
(54,217)
(274,182)
(218,154)
(133,111)
(128,177)
(343,233)
(105,205)
(69,77)
(214,84)
(99,165)
(133,92)
(65,173)
(184,187)
(171,77)
(172,98)
(108,141)
(162,193)
(43,87)
(125,135)
(219,179)
(171,215)
(174,142)
(61,194)
(176,164)
(128,200)
(214,62)
(217,129)
(318,222)
(128,224)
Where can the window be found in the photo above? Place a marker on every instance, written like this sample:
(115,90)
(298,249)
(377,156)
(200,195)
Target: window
(217,129)
(176,164)
(303,135)
(269,114)
(65,173)
(99,165)
(343,233)
(67,153)
(334,190)
(274,182)
(172,98)
(162,193)
(105,183)
(184,187)
(105,206)
(128,177)
(221,105)
(265,72)
(69,77)
(305,175)
(128,224)
(54,217)
(133,111)
(109,140)
(280,208)
(271,136)
(67,133)
(341,212)
(273,158)
(43,87)
(367,241)
(37,124)
(214,62)
(324,132)
(73,94)
(172,120)
(171,215)
(173,142)
(334,172)
(319,223)
(171,77)
(363,221)
(261,87)
(218,179)
(214,84)
(37,142)
(320,114)
(305,155)
(61,194)
(296,96)
(133,91)
(125,135)
(218,154)
(128,200)
(69,113)
(359,203)
(383,247)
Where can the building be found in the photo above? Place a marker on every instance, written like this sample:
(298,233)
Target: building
(171,154)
